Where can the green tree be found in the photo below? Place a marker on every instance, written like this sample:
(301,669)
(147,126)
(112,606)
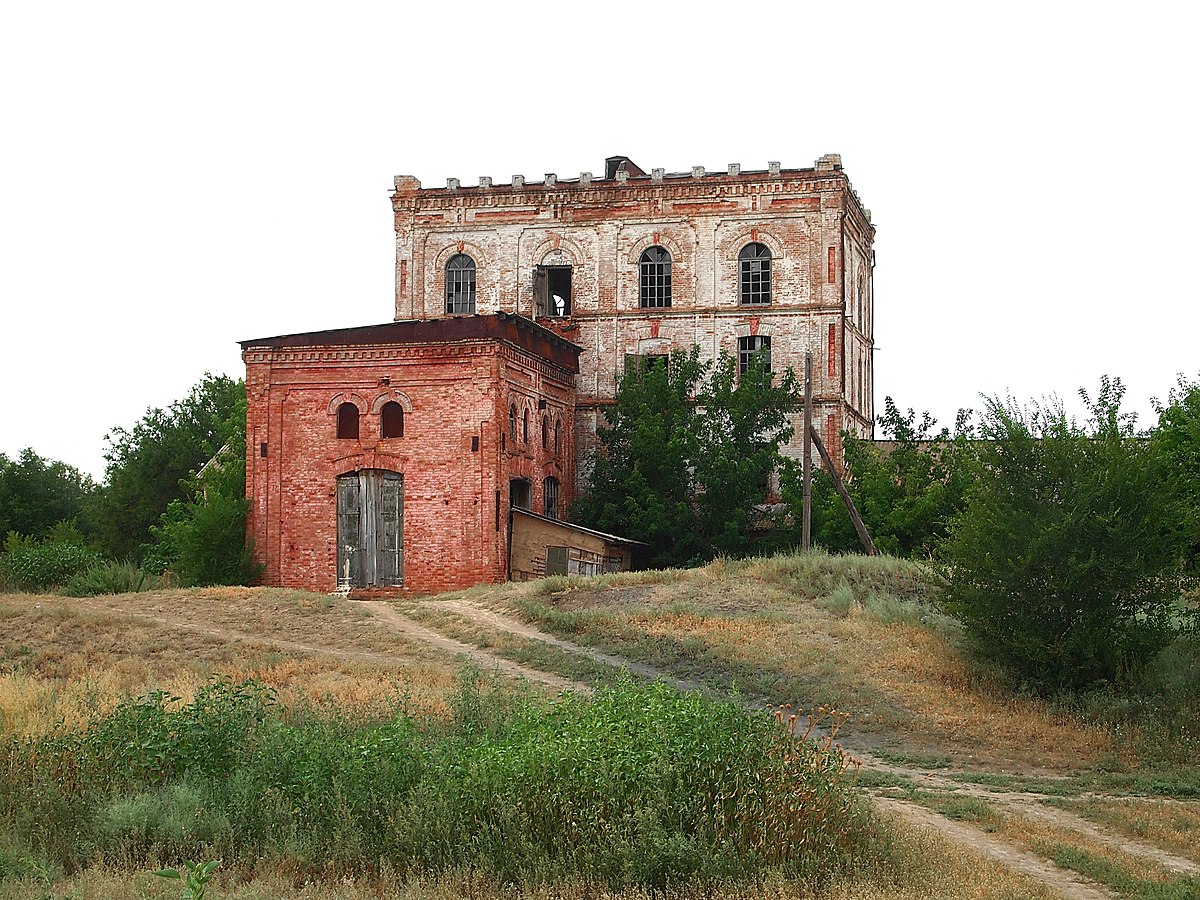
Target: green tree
(148,463)
(202,537)
(1177,444)
(1063,565)
(686,454)
(36,494)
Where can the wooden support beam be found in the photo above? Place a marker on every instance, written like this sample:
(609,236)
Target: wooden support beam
(840,487)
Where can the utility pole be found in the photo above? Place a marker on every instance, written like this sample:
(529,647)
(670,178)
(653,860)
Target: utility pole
(806,529)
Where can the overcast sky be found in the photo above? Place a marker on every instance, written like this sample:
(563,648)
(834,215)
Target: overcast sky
(175,178)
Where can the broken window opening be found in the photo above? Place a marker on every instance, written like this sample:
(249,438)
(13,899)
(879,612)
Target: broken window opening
(755,279)
(520,494)
(460,285)
(552,287)
(655,278)
(347,422)
(751,347)
(391,420)
(550,497)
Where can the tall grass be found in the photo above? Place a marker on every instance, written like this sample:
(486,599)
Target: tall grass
(638,786)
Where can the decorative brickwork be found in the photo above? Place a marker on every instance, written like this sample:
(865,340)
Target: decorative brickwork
(819,235)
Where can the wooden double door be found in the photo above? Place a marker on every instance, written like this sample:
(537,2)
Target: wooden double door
(370,526)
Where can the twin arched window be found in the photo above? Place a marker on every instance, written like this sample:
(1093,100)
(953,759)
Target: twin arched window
(391,421)
(655,278)
(754,281)
(460,285)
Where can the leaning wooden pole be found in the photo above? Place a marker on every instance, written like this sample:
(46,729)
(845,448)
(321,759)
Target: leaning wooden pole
(840,487)
(806,528)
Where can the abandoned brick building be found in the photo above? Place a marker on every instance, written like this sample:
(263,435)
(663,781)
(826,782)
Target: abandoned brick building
(392,455)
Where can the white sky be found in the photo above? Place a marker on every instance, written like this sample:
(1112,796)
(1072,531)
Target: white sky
(175,178)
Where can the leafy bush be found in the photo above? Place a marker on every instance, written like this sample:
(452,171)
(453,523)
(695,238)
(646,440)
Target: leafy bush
(36,566)
(108,578)
(1063,565)
(636,786)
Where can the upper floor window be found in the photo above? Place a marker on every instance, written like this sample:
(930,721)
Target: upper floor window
(550,497)
(347,422)
(512,424)
(525,427)
(754,283)
(558,438)
(460,285)
(751,347)
(391,420)
(656,277)
(545,433)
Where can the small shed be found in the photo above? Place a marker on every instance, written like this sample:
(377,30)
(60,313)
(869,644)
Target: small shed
(541,546)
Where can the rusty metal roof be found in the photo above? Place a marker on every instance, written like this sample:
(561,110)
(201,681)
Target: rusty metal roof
(507,327)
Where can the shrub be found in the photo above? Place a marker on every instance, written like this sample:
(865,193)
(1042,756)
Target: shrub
(37,566)
(1063,565)
(108,578)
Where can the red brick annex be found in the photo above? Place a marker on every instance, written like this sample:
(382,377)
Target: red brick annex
(390,457)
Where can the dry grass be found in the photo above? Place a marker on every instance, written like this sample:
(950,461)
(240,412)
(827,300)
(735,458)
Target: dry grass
(925,867)
(869,656)
(62,661)
(1171,824)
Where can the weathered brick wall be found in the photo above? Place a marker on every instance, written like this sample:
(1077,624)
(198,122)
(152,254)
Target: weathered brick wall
(453,533)
(818,232)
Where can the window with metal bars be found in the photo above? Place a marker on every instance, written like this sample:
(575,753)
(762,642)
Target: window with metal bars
(755,282)
(750,347)
(656,277)
(460,285)
(550,497)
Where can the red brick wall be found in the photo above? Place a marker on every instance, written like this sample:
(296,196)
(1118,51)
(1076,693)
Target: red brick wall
(452,393)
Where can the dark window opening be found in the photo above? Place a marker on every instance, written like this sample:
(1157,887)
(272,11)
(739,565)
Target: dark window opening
(552,289)
(751,347)
(755,274)
(558,439)
(460,285)
(391,420)
(520,494)
(512,424)
(262,449)
(474,443)
(556,561)
(655,278)
(550,497)
(545,433)
(347,422)
(525,427)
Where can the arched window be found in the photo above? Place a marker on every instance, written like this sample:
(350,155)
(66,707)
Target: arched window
(656,277)
(545,433)
(550,497)
(512,424)
(525,427)
(460,285)
(558,439)
(754,284)
(347,424)
(391,420)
